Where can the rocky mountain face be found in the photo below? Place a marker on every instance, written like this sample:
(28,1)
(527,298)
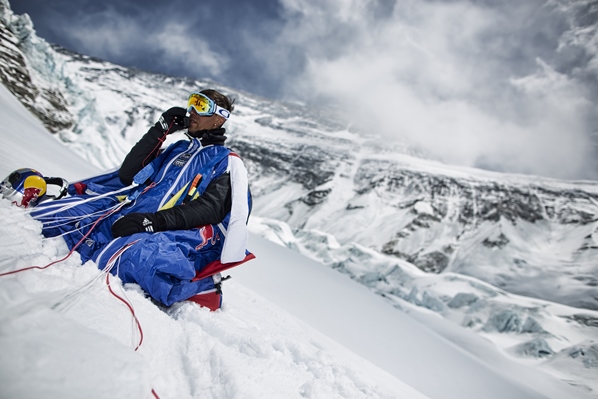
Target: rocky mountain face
(41,98)
(527,235)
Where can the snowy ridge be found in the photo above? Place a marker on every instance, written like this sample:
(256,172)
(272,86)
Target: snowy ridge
(61,324)
(480,225)
(524,328)
(34,87)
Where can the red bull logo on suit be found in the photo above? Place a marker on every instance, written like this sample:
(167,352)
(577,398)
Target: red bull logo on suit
(207,236)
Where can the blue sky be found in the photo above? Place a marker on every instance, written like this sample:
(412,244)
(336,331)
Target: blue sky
(203,39)
(508,86)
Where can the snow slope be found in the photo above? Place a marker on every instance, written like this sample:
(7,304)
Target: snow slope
(290,327)
(25,142)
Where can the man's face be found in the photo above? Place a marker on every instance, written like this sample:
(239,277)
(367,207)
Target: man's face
(197,123)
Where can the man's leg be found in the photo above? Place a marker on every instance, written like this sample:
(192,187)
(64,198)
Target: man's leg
(163,264)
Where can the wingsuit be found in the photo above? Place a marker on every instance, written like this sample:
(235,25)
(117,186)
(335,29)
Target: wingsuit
(196,193)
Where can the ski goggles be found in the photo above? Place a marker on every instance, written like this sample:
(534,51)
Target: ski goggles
(205,106)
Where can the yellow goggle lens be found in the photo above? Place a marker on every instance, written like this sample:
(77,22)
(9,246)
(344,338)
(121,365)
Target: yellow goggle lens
(201,104)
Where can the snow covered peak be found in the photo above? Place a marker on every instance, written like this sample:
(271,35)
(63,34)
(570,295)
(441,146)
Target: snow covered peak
(20,25)
(28,70)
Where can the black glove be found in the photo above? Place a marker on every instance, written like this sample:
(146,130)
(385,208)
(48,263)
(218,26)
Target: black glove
(137,223)
(176,115)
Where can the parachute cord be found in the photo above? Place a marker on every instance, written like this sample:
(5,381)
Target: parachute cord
(64,220)
(160,142)
(50,219)
(72,219)
(107,269)
(50,209)
(152,185)
(115,259)
(66,233)
(130,309)
(111,211)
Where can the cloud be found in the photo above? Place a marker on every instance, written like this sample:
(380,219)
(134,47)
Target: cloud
(165,41)
(501,87)
(180,43)
(510,86)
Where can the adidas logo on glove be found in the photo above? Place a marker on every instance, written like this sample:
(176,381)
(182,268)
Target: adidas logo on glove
(148,225)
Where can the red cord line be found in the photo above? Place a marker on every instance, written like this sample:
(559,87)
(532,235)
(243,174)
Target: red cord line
(130,308)
(160,141)
(107,273)
(128,304)
(70,253)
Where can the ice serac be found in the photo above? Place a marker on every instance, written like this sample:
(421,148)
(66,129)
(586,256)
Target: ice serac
(519,233)
(24,76)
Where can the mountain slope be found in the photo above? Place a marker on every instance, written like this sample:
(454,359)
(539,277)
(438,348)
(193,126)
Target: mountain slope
(290,328)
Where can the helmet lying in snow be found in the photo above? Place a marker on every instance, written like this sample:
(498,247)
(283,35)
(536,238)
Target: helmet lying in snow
(27,187)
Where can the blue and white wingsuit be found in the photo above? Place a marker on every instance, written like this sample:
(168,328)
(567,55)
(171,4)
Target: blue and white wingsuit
(169,265)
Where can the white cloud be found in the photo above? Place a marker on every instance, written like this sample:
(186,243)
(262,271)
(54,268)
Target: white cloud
(466,82)
(508,86)
(181,43)
(113,35)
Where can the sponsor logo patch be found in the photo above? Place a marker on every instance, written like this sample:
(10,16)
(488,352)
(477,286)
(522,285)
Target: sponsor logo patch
(182,160)
(207,236)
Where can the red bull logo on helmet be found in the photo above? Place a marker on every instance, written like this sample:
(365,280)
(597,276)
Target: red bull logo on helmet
(207,236)
(23,187)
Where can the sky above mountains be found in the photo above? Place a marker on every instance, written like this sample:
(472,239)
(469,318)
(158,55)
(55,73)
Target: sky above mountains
(503,86)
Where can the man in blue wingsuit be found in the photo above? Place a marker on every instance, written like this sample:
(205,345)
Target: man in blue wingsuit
(168,220)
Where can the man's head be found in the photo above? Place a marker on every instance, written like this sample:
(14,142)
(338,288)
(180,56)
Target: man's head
(198,122)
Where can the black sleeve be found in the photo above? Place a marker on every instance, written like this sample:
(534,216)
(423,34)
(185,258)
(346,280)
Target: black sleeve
(210,208)
(141,154)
